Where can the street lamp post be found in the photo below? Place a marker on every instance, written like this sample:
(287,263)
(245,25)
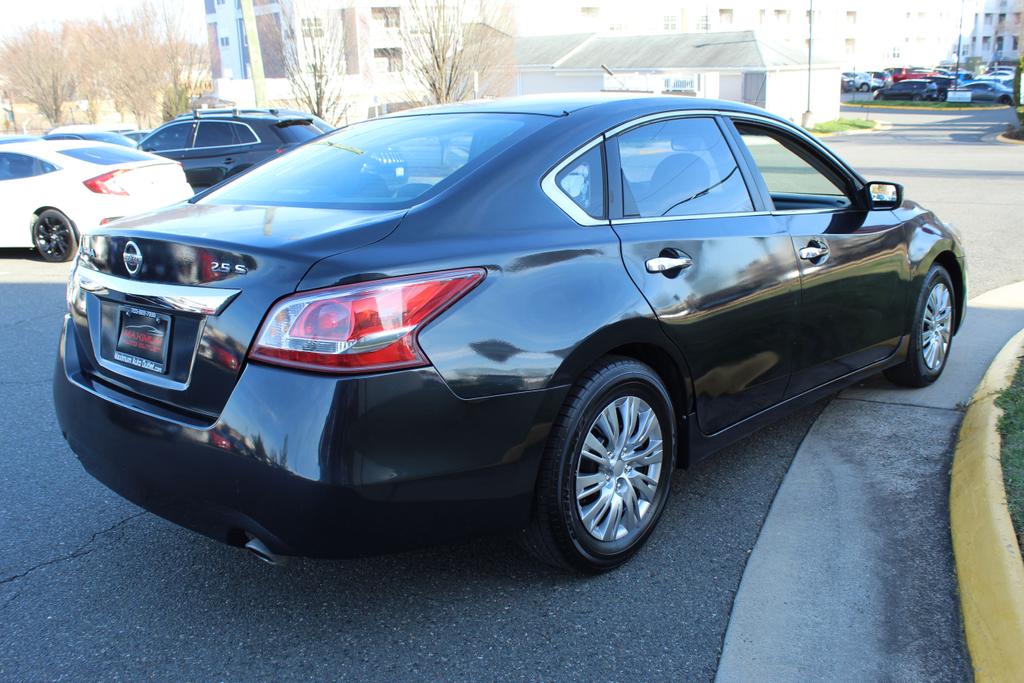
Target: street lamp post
(959,45)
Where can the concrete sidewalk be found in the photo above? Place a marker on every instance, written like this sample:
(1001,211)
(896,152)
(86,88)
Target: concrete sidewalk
(852,575)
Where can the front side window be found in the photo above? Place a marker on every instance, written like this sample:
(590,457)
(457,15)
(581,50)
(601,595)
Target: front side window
(175,136)
(788,168)
(679,167)
(583,182)
(381,163)
(17,166)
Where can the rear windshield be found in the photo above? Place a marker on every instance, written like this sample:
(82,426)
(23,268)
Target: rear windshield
(105,155)
(299,131)
(383,163)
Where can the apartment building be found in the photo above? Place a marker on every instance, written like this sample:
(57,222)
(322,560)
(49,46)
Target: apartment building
(869,34)
(370,33)
(994,31)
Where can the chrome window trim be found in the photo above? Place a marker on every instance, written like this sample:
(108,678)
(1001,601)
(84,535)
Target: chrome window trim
(181,298)
(581,217)
(550,187)
(663,219)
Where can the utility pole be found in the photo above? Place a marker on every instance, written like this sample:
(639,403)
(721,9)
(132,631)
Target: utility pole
(808,116)
(252,35)
(959,45)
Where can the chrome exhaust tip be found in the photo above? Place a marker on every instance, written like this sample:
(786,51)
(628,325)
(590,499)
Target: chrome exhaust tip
(262,552)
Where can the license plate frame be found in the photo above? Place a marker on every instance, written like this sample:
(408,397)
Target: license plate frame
(143,339)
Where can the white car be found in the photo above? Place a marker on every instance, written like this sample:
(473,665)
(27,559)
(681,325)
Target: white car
(54,191)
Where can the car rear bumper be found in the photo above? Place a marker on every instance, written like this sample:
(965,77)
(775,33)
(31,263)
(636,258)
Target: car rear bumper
(316,465)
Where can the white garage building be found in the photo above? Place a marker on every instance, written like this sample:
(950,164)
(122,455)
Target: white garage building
(731,65)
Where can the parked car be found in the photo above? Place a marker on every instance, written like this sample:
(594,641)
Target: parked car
(96,136)
(92,128)
(847,83)
(905,73)
(861,81)
(914,90)
(883,77)
(490,338)
(52,192)
(136,135)
(216,144)
(988,91)
(8,139)
(318,122)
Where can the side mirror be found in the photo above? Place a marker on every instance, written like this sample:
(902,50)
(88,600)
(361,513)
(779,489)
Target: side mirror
(884,195)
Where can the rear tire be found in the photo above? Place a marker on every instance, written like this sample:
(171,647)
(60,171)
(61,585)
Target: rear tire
(864,87)
(594,511)
(54,235)
(931,335)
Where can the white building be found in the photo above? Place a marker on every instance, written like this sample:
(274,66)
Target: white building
(732,65)
(862,34)
(994,30)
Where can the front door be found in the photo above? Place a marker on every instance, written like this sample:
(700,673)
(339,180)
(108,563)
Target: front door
(718,270)
(854,266)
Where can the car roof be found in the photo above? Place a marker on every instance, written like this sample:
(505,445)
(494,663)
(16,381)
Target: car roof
(564,104)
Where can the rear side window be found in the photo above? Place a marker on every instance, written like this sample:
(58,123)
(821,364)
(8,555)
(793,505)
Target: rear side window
(382,163)
(106,155)
(16,166)
(680,167)
(174,136)
(223,134)
(583,182)
(297,132)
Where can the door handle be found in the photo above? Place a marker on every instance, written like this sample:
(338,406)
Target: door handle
(815,251)
(665,264)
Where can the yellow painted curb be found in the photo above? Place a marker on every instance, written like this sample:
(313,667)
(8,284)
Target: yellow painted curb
(1002,137)
(988,561)
(923,107)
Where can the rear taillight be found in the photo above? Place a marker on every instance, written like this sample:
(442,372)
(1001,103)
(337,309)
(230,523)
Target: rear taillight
(366,327)
(107,183)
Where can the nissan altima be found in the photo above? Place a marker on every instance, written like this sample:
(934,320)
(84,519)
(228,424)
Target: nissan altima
(516,316)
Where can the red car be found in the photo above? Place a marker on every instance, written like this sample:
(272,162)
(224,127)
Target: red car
(902,73)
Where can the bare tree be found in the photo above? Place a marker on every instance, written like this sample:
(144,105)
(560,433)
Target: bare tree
(90,65)
(136,83)
(35,64)
(186,63)
(454,49)
(312,49)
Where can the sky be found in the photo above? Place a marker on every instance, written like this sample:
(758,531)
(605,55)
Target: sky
(18,14)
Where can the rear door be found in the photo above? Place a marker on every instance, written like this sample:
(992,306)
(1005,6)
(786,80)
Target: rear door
(853,262)
(23,189)
(221,147)
(718,270)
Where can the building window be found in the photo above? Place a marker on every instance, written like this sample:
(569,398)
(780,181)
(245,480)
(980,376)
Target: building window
(999,44)
(591,12)
(782,16)
(669,23)
(1001,19)
(851,17)
(894,53)
(851,46)
(312,27)
(725,17)
(1016,17)
(985,42)
(393,55)
(988,20)
(1016,42)
(388,17)
(703,24)
(224,42)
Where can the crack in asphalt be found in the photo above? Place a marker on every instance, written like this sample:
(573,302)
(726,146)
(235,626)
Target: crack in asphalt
(80,551)
(896,403)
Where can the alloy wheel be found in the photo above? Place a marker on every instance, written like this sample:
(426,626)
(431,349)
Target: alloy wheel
(619,469)
(53,236)
(936,326)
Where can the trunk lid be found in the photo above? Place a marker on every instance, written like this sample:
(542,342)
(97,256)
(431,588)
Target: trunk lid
(214,270)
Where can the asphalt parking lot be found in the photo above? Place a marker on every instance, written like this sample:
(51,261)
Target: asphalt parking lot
(93,588)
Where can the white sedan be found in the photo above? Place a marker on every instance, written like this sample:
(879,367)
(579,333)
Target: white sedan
(53,191)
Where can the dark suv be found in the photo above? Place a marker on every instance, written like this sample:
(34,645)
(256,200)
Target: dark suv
(216,144)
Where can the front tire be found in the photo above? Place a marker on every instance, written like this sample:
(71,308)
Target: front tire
(54,236)
(606,472)
(931,335)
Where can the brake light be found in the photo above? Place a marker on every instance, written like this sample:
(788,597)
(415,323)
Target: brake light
(107,183)
(366,327)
